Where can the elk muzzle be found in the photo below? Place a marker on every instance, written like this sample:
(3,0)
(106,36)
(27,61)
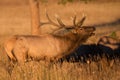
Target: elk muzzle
(89,29)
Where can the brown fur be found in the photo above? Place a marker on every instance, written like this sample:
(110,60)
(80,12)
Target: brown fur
(8,46)
(49,46)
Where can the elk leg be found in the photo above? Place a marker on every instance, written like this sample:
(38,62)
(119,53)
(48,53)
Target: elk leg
(20,54)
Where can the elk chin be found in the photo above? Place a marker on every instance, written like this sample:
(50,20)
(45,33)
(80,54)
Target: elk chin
(92,33)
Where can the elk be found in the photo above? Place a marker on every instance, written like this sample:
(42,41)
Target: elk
(109,42)
(49,47)
(109,46)
(11,41)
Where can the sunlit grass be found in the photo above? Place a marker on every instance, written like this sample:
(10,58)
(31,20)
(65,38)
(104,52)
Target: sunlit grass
(103,69)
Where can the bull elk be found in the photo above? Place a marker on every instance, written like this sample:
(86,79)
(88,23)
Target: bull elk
(49,46)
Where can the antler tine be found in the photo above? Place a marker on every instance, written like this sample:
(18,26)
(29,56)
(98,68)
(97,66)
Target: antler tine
(74,20)
(50,21)
(79,24)
(60,22)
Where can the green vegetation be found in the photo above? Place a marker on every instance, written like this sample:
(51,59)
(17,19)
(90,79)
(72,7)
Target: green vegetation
(114,35)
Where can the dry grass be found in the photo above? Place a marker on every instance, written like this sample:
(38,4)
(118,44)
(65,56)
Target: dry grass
(66,71)
(100,70)
(15,19)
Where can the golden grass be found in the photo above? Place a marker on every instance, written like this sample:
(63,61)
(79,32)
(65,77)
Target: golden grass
(65,71)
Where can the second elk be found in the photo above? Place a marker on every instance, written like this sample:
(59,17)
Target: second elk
(109,46)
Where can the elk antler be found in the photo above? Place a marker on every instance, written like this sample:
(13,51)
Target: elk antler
(61,25)
(49,21)
(74,20)
(60,22)
(80,23)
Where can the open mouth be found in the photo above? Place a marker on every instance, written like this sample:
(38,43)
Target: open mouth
(93,31)
(90,30)
(91,34)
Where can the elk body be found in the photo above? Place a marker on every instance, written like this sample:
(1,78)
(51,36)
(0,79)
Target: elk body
(49,46)
(109,46)
(109,42)
(11,42)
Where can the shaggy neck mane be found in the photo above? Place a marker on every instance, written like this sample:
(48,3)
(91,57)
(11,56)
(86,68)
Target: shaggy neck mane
(68,37)
(72,40)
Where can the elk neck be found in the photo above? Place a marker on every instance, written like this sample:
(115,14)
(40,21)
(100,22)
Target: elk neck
(73,38)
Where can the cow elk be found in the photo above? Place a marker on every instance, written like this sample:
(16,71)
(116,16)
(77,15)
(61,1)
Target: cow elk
(109,46)
(109,42)
(49,47)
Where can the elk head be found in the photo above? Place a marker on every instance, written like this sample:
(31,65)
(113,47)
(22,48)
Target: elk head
(76,28)
(82,32)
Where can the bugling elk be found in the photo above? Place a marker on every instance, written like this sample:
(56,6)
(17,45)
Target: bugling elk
(49,47)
